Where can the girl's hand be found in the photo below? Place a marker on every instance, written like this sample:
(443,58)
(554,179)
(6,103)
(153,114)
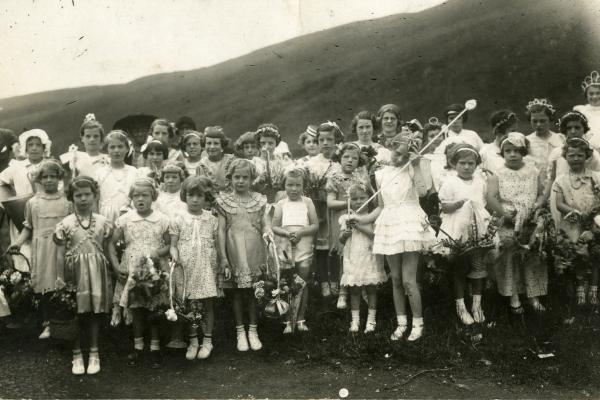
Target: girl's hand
(293,237)
(354,219)
(227,273)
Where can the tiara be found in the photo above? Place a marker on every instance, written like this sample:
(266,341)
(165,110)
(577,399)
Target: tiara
(268,129)
(592,79)
(541,102)
(573,113)
(504,120)
(89,118)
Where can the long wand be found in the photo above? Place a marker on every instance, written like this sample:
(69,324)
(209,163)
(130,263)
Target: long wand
(469,105)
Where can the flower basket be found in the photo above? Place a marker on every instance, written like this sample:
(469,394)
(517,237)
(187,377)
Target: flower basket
(17,289)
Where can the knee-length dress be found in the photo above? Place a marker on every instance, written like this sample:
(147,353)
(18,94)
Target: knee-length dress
(402,225)
(197,245)
(361,267)
(244,244)
(518,191)
(85,263)
(42,213)
(114,189)
(143,235)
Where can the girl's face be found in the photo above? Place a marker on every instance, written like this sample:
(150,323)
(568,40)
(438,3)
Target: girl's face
(311,147)
(171,182)
(142,199)
(193,147)
(241,180)
(117,150)
(389,124)
(349,160)
(574,129)
(155,158)
(49,181)
(34,149)
(357,199)
(249,150)
(457,125)
(196,202)
(593,95)
(139,135)
(431,137)
(540,123)
(161,132)
(92,140)
(83,198)
(400,153)
(513,157)
(213,147)
(326,143)
(364,130)
(575,158)
(267,144)
(294,187)
(465,165)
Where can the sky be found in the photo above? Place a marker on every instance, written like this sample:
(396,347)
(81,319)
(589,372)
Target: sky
(52,44)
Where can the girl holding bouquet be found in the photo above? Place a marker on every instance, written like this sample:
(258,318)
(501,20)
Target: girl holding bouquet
(267,138)
(194,245)
(463,203)
(81,239)
(146,235)
(515,192)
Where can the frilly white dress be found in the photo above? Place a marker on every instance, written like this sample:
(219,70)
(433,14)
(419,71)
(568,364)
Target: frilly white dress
(361,267)
(402,226)
(114,189)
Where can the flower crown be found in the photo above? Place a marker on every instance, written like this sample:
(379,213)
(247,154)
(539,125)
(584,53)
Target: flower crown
(89,118)
(506,119)
(268,129)
(541,102)
(592,79)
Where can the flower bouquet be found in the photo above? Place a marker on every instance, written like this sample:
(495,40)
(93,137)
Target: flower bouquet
(271,181)
(63,304)
(149,287)
(17,289)
(538,233)
(474,240)
(268,292)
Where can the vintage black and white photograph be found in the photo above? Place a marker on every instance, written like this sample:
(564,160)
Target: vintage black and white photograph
(300,199)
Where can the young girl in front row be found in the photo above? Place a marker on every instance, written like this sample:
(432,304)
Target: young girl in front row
(169,197)
(42,213)
(401,230)
(81,238)
(194,245)
(515,192)
(576,198)
(146,234)
(295,223)
(242,224)
(463,204)
(361,268)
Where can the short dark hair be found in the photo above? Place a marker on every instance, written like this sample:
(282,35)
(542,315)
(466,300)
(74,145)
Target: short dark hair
(200,185)
(80,182)
(156,145)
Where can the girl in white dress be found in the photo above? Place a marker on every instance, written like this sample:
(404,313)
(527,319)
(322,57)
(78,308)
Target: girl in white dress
(401,230)
(463,203)
(169,199)
(91,134)
(361,268)
(155,154)
(591,110)
(192,144)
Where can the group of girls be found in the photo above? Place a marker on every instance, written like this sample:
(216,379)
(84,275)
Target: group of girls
(183,196)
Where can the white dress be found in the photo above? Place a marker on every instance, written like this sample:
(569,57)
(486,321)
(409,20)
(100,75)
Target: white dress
(541,148)
(437,168)
(458,224)
(169,204)
(491,158)
(361,267)
(402,226)
(593,116)
(114,189)
(465,136)
(191,166)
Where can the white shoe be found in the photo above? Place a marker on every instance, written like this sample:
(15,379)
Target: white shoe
(45,333)
(205,351)
(342,304)
(301,326)
(370,327)
(242,341)
(78,367)
(354,325)
(254,341)
(325,289)
(288,328)
(93,365)
(415,333)
(192,352)
(463,314)
(399,332)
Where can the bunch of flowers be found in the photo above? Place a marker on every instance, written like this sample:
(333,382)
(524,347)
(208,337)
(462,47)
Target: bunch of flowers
(475,240)
(64,300)
(17,289)
(189,310)
(570,256)
(314,185)
(538,233)
(150,286)
(271,180)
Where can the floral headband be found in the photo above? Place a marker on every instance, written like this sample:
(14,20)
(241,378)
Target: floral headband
(333,125)
(504,120)
(268,129)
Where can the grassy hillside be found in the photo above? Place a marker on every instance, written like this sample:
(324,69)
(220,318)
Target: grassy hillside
(501,52)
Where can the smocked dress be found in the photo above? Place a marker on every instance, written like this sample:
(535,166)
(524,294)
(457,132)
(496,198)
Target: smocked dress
(143,235)
(42,213)
(361,267)
(294,216)
(216,170)
(402,226)
(197,245)
(244,244)
(114,189)
(85,263)
(518,191)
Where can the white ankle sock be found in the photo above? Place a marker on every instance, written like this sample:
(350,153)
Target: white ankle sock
(355,315)
(417,321)
(402,320)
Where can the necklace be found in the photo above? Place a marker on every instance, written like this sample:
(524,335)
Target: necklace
(578,179)
(81,223)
